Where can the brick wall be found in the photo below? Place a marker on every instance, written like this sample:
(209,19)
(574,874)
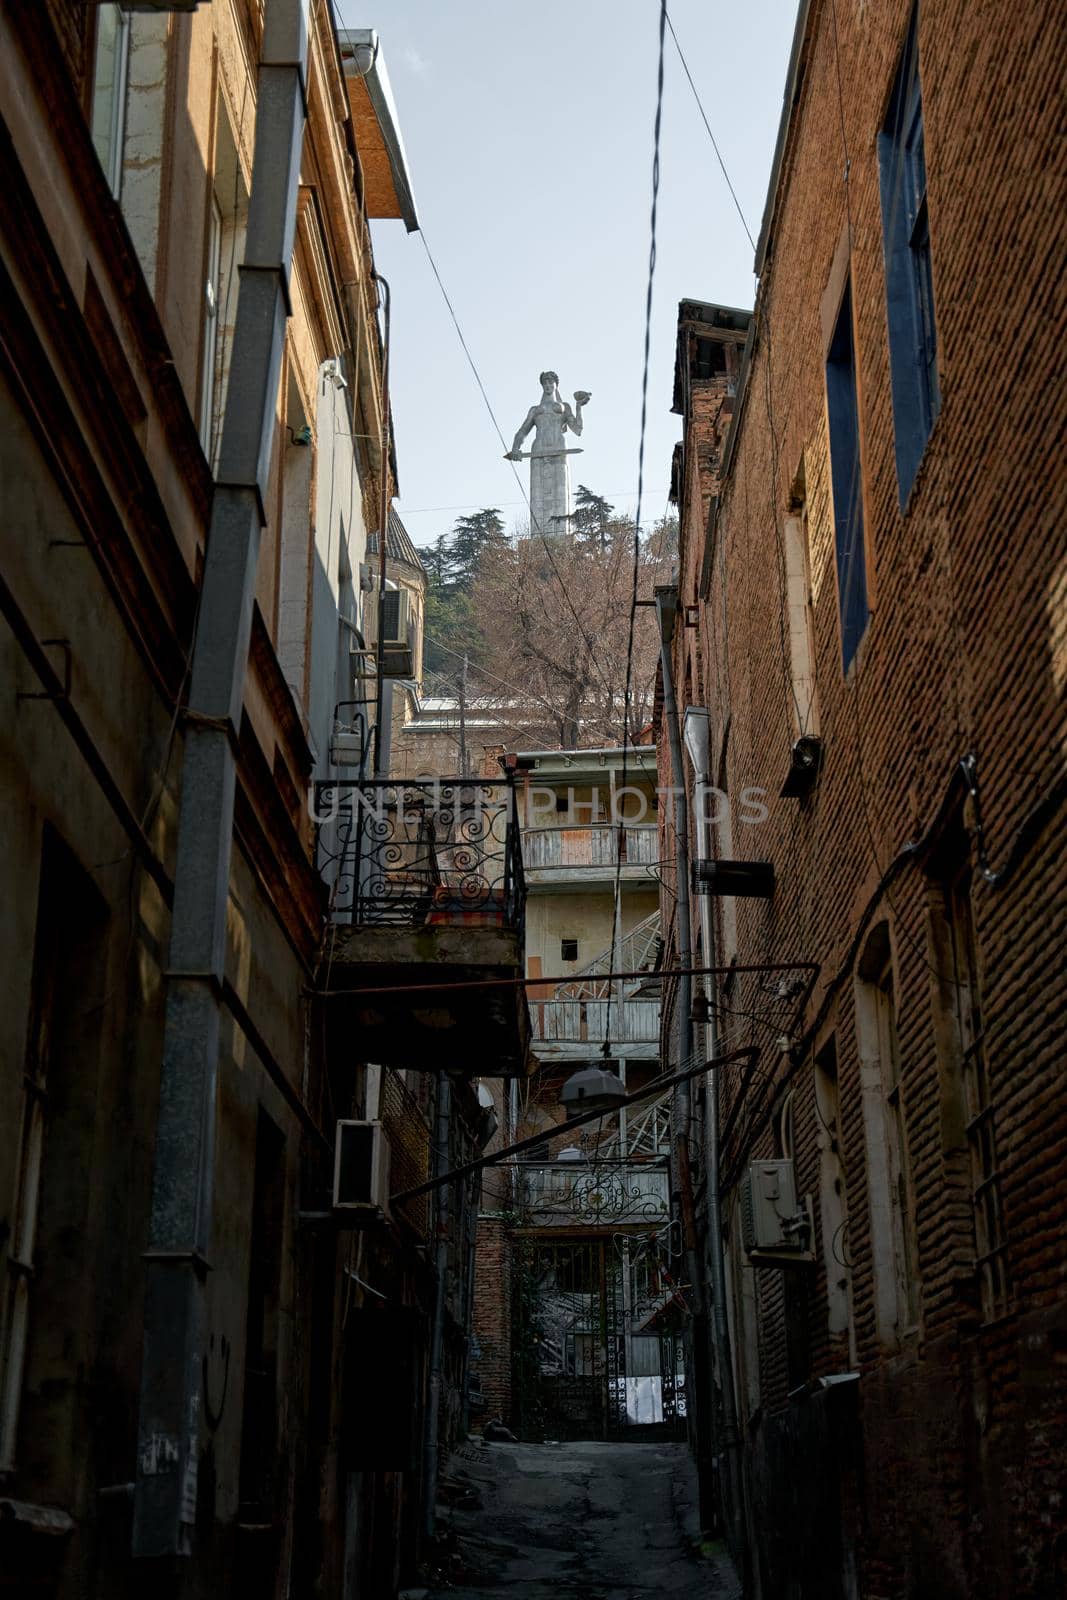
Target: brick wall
(964,1424)
(492,1315)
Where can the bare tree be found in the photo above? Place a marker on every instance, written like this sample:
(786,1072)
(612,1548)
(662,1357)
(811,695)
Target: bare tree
(555,617)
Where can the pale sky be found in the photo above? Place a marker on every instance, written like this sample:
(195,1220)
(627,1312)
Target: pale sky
(528,131)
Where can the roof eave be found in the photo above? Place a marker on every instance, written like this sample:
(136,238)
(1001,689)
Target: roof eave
(789,99)
(380,93)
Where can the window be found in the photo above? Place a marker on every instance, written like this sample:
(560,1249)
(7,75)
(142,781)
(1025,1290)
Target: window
(833,1199)
(224,247)
(295,567)
(568,949)
(211,324)
(108,117)
(796,1287)
(846,477)
(885,1129)
(972,1114)
(804,708)
(43,1309)
(909,278)
(562,803)
(261,1396)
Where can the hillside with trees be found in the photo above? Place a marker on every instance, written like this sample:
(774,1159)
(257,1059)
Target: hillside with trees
(556,674)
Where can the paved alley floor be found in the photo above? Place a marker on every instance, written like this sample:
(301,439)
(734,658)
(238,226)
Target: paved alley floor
(579,1521)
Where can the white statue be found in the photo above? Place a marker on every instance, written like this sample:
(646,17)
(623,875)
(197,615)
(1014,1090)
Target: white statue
(550,488)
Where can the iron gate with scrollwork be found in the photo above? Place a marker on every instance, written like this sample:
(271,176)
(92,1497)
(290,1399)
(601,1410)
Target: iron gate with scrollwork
(597,1342)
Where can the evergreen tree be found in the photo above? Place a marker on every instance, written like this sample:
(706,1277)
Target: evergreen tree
(591,517)
(452,564)
(472,537)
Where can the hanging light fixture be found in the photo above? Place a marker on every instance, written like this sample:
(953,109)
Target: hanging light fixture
(593,1089)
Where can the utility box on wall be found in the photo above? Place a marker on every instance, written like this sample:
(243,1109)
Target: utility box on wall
(777,1229)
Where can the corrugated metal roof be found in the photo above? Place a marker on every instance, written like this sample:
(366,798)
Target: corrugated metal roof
(398,545)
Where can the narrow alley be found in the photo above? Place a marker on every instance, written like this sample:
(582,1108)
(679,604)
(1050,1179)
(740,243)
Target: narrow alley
(578,1521)
(532,999)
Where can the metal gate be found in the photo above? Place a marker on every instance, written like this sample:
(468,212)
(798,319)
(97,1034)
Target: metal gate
(597,1343)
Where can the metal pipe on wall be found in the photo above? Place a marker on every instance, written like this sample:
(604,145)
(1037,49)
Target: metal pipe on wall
(682,1108)
(698,744)
(431,1431)
(181,1221)
(382,729)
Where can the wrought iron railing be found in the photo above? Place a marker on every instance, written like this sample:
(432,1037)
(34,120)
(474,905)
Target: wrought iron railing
(565,1193)
(421,852)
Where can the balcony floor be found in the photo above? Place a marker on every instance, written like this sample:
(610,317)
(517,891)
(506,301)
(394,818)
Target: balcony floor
(429,1022)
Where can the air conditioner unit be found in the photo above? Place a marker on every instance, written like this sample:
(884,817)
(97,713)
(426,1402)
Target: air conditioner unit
(398,657)
(775,1228)
(395,616)
(361,1171)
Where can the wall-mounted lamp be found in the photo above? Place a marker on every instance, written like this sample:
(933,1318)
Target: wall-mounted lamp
(302,436)
(752,880)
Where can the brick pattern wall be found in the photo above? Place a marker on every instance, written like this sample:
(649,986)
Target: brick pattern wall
(964,1420)
(75,25)
(492,1315)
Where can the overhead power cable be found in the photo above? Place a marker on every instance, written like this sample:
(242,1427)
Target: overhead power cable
(656,131)
(475,505)
(583,631)
(527,693)
(707,125)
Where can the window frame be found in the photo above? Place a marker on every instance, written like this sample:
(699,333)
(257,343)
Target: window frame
(890,1192)
(116,129)
(911,320)
(846,480)
(209,342)
(990,1240)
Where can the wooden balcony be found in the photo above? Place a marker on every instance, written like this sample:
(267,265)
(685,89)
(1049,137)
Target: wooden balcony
(576,1029)
(567,857)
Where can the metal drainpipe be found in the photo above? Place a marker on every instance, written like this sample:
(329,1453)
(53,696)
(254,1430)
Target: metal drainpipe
(382,733)
(666,611)
(697,740)
(442,1162)
(180,1227)
(472,1191)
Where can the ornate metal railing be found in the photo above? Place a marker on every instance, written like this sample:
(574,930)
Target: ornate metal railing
(421,852)
(616,1192)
